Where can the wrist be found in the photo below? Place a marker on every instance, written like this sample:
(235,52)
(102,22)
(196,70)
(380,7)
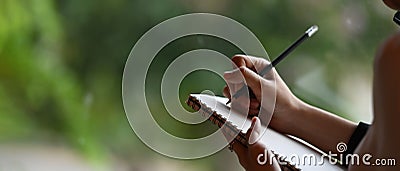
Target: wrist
(285,120)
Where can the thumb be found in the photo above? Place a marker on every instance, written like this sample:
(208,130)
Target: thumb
(256,130)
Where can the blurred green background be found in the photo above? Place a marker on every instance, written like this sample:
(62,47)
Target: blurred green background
(61,65)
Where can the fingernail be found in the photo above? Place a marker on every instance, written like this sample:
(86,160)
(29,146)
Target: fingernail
(255,133)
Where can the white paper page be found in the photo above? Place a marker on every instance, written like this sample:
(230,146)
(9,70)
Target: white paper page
(273,140)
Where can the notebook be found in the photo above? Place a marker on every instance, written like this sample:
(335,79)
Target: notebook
(290,149)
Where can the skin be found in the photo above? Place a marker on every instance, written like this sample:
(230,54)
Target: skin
(290,115)
(382,140)
(394,4)
(293,116)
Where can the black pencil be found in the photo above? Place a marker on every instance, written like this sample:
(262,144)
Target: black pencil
(276,61)
(396,18)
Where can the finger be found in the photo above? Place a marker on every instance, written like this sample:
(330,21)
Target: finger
(250,129)
(243,60)
(242,74)
(254,63)
(234,76)
(253,112)
(233,85)
(253,80)
(254,107)
(254,104)
(226,92)
(256,130)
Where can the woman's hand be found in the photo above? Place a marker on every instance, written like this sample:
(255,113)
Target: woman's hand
(255,157)
(289,114)
(265,89)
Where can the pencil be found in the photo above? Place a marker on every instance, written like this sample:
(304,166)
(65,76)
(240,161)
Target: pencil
(311,31)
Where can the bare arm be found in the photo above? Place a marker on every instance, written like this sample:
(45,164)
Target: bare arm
(318,127)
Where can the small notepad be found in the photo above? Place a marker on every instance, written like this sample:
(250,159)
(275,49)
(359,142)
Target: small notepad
(214,108)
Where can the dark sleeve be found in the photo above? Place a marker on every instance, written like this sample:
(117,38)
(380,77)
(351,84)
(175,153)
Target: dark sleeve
(355,139)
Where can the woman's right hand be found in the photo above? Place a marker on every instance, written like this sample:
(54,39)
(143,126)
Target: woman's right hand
(290,115)
(265,88)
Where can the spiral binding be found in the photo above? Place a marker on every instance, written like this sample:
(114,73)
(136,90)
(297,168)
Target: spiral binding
(232,130)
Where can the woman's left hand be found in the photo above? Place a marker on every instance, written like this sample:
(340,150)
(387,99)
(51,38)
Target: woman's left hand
(255,157)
